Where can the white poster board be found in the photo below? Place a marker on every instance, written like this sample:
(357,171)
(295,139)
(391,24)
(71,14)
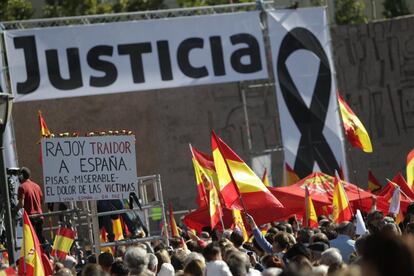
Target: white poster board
(306,91)
(87,60)
(89,168)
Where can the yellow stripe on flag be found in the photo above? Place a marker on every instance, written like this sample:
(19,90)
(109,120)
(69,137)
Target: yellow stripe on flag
(410,169)
(247,181)
(238,222)
(340,205)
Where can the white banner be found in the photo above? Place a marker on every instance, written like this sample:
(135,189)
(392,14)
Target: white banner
(89,168)
(262,163)
(306,91)
(107,58)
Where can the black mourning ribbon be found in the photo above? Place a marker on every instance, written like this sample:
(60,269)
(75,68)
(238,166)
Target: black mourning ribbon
(313,146)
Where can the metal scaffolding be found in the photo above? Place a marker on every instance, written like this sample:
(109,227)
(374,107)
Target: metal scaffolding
(133,16)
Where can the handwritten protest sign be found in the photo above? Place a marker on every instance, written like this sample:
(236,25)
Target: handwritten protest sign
(89,168)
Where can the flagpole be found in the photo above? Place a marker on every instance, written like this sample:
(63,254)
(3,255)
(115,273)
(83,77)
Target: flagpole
(395,184)
(306,206)
(221,218)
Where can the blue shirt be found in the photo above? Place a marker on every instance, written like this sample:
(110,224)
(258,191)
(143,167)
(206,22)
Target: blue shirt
(345,245)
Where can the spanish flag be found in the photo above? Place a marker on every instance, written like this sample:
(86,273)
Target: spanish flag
(239,224)
(373,184)
(226,186)
(265,179)
(236,180)
(410,169)
(341,210)
(44,130)
(204,171)
(291,176)
(354,129)
(117,228)
(173,224)
(214,208)
(311,219)
(63,241)
(30,262)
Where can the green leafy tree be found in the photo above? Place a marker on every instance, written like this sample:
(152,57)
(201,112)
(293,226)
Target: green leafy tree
(394,8)
(15,10)
(60,8)
(350,12)
(318,2)
(199,3)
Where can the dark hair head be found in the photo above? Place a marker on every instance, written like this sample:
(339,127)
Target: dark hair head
(195,267)
(25,172)
(105,259)
(298,249)
(381,250)
(237,238)
(211,251)
(282,240)
(304,235)
(119,268)
(178,259)
(92,270)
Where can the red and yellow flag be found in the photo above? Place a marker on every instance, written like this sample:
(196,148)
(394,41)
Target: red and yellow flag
(238,223)
(63,241)
(30,262)
(225,184)
(291,176)
(341,210)
(214,208)
(44,130)
(173,224)
(355,131)
(265,179)
(205,174)
(117,228)
(234,173)
(373,184)
(311,219)
(410,169)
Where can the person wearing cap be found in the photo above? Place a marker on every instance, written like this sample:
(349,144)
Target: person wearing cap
(30,198)
(344,241)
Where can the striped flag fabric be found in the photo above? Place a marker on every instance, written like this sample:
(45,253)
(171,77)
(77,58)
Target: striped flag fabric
(173,224)
(291,176)
(355,131)
(214,208)
(44,130)
(63,241)
(30,262)
(373,183)
(311,219)
(205,173)
(341,210)
(226,186)
(410,169)
(239,224)
(236,180)
(265,178)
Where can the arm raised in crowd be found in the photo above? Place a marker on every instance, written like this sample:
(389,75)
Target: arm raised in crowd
(260,239)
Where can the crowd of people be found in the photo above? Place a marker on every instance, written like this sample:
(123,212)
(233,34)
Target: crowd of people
(278,248)
(284,248)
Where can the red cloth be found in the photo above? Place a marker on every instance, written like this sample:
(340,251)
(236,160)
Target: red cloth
(32,194)
(320,188)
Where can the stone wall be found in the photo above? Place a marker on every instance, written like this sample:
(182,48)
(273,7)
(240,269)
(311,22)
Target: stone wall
(375,72)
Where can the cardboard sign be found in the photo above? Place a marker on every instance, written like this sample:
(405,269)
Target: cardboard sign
(89,168)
